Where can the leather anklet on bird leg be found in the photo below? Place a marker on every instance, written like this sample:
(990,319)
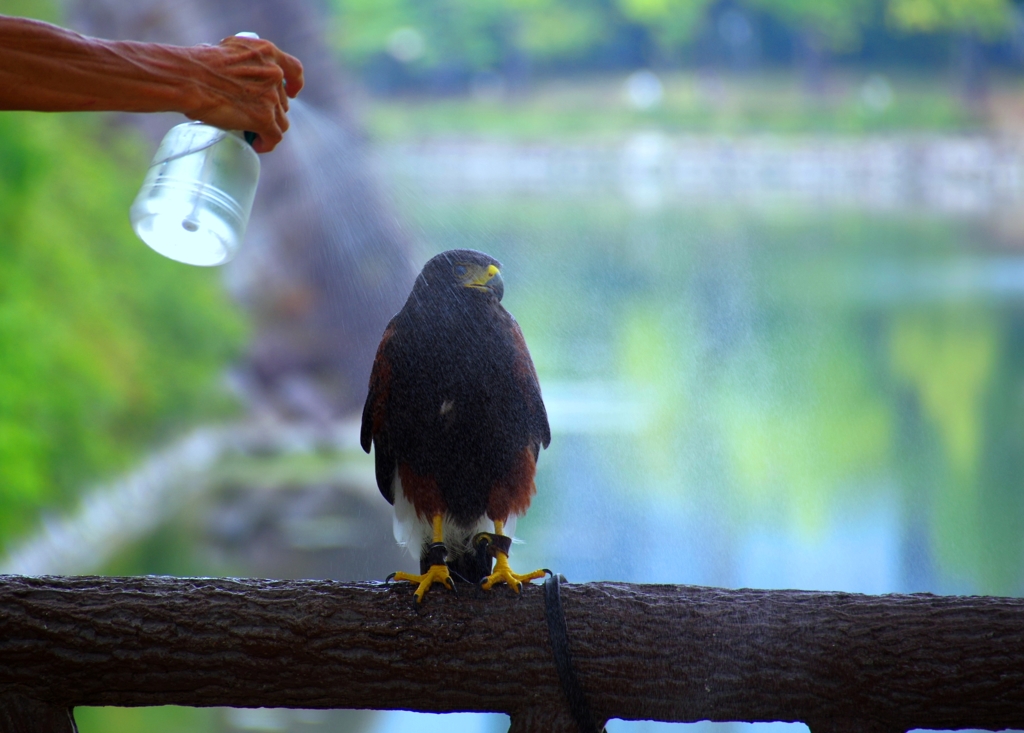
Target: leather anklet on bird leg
(502,573)
(438,570)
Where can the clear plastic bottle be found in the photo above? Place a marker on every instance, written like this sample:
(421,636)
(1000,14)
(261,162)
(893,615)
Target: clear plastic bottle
(195,201)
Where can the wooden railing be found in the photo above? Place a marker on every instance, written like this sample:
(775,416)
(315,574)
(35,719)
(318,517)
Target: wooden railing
(836,661)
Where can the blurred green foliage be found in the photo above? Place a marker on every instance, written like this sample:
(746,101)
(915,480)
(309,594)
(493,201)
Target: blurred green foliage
(838,23)
(105,347)
(949,358)
(39,9)
(988,18)
(166,719)
(463,33)
(671,23)
(597,108)
(444,43)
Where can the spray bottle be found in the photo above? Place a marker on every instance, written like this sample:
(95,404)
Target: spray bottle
(195,201)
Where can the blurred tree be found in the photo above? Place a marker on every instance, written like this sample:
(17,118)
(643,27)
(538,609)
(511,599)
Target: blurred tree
(670,23)
(974,22)
(948,358)
(558,30)
(821,28)
(987,18)
(454,45)
(449,42)
(948,361)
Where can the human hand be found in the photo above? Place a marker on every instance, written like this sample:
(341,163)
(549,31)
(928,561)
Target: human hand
(245,84)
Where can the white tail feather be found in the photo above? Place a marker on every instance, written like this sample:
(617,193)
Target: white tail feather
(413,532)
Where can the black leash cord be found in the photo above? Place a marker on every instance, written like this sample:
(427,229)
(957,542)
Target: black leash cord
(578,704)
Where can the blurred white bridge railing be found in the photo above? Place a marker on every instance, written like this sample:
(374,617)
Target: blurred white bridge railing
(962,175)
(126,509)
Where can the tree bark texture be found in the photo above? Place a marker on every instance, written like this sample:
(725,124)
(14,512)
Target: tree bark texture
(835,661)
(19,714)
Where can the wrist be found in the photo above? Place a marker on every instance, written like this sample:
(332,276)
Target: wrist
(191,82)
(155,77)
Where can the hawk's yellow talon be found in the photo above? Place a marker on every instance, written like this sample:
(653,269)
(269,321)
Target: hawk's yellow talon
(435,574)
(503,574)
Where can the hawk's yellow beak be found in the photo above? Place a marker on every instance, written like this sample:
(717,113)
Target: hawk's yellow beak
(489,279)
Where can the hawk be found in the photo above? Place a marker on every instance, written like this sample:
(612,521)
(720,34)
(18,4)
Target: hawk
(456,420)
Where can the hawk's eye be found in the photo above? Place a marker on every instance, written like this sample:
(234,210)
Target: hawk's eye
(460,270)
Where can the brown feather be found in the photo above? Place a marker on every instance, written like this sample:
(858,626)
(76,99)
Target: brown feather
(513,492)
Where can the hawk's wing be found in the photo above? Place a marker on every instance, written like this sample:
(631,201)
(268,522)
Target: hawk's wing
(525,375)
(374,429)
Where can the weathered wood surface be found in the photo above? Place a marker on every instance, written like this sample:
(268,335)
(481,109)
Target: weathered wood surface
(836,661)
(19,714)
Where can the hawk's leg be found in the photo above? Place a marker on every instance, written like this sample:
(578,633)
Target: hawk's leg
(502,572)
(438,570)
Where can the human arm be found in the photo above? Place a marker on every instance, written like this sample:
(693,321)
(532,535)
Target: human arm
(236,85)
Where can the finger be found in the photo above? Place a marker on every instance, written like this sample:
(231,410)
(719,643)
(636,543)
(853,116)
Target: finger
(282,97)
(291,67)
(282,120)
(262,145)
(273,141)
(293,73)
(257,48)
(267,139)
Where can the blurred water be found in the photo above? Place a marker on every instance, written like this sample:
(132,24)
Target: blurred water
(950,175)
(795,391)
(400,720)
